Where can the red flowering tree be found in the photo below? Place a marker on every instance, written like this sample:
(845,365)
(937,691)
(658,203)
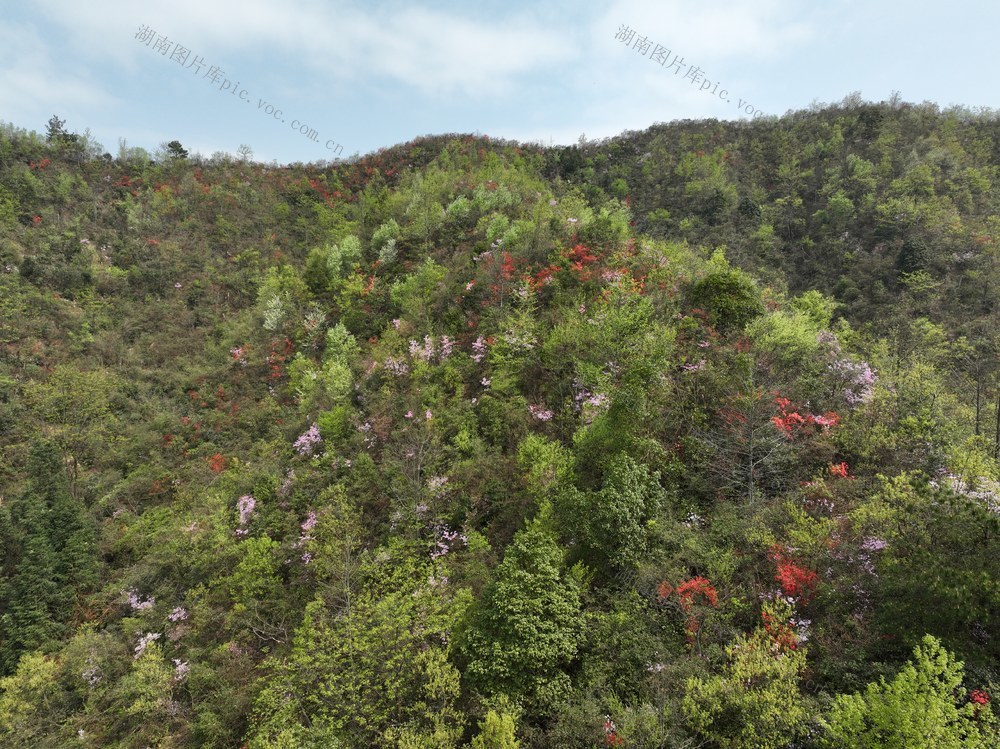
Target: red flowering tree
(796,581)
(696,597)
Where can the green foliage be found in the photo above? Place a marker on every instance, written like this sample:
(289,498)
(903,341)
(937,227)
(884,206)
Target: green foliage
(918,709)
(816,412)
(526,628)
(280,298)
(372,670)
(755,701)
(498,730)
(32,704)
(55,557)
(613,525)
(418,295)
(730,297)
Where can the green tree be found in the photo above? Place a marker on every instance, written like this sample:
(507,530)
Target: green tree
(370,670)
(918,709)
(525,630)
(57,557)
(32,705)
(613,525)
(175,150)
(755,702)
(730,297)
(498,730)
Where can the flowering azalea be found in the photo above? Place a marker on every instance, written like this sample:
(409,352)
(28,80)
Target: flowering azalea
(137,602)
(540,412)
(699,586)
(795,581)
(306,443)
(179,614)
(839,470)
(144,642)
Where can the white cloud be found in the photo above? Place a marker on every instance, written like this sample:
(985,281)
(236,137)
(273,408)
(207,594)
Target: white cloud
(33,84)
(433,51)
(708,33)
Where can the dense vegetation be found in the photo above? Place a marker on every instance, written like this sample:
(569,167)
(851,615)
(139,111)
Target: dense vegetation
(685,438)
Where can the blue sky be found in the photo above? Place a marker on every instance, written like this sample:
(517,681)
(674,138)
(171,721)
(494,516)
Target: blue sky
(364,75)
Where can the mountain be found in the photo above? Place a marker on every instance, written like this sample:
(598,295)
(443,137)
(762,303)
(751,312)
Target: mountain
(685,437)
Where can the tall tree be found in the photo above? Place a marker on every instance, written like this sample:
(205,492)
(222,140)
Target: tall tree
(526,628)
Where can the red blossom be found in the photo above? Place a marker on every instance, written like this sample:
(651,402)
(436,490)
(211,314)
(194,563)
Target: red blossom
(782,633)
(792,423)
(795,581)
(508,266)
(217,463)
(686,592)
(839,470)
(979,697)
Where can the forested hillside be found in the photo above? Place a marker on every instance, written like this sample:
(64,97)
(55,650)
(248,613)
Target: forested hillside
(687,438)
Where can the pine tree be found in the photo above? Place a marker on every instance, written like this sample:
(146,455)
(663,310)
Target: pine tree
(52,556)
(32,593)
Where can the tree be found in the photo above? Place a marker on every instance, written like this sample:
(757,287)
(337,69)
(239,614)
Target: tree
(373,674)
(612,525)
(57,557)
(175,150)
(56,133)
(32,595)
(755,702)
(498,730)
(32,704)
(524,632)
(918,709)
(730,297)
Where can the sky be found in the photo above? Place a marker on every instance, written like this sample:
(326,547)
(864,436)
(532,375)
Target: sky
(312,81)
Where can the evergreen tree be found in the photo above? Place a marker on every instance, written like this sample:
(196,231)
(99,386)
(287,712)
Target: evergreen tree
(55,558)
(526,628)
(33,595)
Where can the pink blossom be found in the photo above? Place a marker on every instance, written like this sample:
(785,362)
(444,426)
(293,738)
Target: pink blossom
(428,415)
(446,347)
(310,522)
(478,349)
(137,602)
(179,614)
(307,442)
(409,415)
(181,669)
(245,505)
(540,412)
(144,642)
(396,366)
